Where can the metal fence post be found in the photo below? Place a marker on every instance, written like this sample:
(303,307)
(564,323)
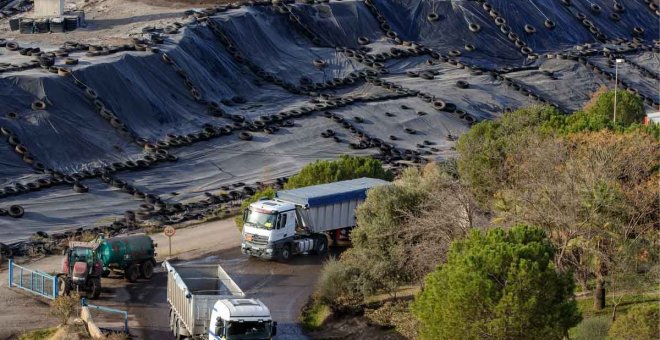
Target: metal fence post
(56,287)
(126,322)
(11,272)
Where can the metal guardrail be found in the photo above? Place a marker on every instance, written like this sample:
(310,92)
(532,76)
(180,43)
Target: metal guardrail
(33,281)
(108,310)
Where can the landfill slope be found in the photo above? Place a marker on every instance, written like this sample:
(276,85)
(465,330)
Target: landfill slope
(243,95)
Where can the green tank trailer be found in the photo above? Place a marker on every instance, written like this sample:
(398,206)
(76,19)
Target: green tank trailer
(134,255)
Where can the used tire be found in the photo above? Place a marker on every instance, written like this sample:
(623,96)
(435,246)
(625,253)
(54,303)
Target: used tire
(38,105)
(245,136)
(549,24)
(529,29)
(80,188)
(16,211)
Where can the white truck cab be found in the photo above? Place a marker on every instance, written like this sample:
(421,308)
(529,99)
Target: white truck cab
(236,319)
(267,223)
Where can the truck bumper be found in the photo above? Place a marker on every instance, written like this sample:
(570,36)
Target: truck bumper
(259,252)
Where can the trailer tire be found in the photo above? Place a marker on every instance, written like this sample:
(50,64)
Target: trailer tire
(172,320)
(177,330)
(285,253)
(147,269)
(132,273)
(94,288)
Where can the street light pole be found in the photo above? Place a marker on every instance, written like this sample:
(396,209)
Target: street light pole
(616,84)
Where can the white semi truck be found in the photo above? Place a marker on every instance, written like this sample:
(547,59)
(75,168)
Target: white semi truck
(303,220)
(205,303)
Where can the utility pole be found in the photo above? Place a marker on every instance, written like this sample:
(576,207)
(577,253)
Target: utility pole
(616,84)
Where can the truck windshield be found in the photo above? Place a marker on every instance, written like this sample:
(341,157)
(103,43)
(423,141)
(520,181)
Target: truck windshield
(248,330)
(261,219)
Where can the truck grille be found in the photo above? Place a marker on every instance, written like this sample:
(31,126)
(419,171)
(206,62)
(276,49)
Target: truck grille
(257,239)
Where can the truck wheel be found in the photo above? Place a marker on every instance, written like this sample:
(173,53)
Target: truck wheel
(177,330)
(94,288)
(172,321)
(321,244)
(147,269)
(285,253)
(132,273)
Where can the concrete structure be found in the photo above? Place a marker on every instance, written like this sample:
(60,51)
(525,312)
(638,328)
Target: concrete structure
(48,8)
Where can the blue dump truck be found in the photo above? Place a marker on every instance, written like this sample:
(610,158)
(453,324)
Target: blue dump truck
(303,220)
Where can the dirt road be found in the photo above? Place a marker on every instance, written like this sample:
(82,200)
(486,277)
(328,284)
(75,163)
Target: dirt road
(284,288)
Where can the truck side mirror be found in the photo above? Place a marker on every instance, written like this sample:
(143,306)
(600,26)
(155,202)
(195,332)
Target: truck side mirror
(245,212)
(274,332)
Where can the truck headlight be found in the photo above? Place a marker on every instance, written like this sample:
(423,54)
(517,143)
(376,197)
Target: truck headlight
(269,250)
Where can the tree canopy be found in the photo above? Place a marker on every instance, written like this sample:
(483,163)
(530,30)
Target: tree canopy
(344,168)
(498,284)
(482,150)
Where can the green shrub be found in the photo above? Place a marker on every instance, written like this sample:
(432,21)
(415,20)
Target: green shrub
(501,285)
(338,286)
(314,315)
(65,306)
(629,107)
(344,168)
(640,323)
(263,193)
(592,328)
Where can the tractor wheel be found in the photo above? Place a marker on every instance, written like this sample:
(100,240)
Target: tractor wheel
(94,289)
(147,269)
(132,273)
(65,287)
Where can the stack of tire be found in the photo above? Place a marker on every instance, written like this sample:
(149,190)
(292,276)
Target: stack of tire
(21,149)
(384,26)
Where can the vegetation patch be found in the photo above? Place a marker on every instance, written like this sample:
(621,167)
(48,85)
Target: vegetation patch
(314,315)
(39,334)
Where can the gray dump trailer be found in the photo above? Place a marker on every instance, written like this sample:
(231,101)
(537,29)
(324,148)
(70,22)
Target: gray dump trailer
(304,220)
(205,303)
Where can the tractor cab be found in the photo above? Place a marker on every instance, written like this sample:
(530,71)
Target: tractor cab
(81,269)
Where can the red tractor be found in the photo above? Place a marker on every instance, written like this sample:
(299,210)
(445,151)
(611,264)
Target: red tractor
(81,270)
